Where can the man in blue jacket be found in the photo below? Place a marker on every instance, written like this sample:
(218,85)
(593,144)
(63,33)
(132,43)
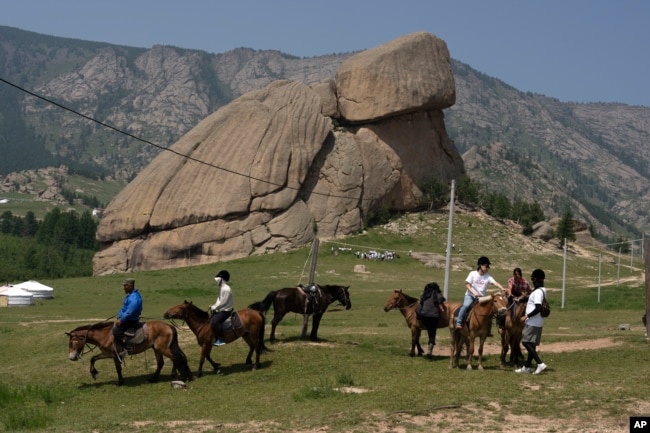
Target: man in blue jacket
(129,314)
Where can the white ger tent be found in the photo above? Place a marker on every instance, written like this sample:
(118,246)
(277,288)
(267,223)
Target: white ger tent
(16,297)
(37,289)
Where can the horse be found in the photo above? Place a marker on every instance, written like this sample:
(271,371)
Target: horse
(294,299)
(511,337)
(251,329)
(480,322)
(407,305)
(159,336)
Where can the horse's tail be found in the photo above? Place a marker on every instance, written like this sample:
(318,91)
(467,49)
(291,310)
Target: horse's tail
(264,305)
(180,360)
(260,337)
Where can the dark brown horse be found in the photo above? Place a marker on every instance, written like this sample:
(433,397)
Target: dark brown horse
(251,329)
(480,322)
(294,299)
(511,337)
(159,336)
(407,305)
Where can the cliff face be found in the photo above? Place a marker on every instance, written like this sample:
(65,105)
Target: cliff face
(264,172)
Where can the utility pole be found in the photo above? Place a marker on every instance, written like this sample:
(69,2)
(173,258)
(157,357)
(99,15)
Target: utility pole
(449,232)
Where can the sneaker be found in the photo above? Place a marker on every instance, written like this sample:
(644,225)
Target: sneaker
(219,342)
(459,327)
(524,370)
(541,367)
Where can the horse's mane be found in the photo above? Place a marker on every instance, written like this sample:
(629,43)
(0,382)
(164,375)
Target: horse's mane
(196,309)
(99,325)
(410,298)
(329,288)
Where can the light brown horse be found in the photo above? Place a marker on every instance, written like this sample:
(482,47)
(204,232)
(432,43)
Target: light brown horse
(294,299)
(480,322)
(407,305)
(159,336)
(251,329)
(511,337)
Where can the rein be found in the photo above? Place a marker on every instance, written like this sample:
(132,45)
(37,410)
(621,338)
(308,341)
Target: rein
(86,344)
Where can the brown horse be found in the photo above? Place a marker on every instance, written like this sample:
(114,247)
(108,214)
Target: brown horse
(511,337)
(480,322)
(407,305)
(251,329)
(294,299)
(159,336)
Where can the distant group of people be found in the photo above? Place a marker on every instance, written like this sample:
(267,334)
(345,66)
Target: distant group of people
(476,284)
(376,255)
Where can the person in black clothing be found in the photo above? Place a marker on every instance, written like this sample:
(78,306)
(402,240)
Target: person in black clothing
(428,312)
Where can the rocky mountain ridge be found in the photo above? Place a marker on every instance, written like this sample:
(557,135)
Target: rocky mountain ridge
(593,158)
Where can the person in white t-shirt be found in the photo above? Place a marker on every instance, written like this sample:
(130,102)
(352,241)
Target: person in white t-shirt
(476,283)
(533,324)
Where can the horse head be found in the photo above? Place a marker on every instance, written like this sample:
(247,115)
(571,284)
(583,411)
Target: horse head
(394,300)
(338,293)
(499,304)
(179,311)
(343,296)
(76,343)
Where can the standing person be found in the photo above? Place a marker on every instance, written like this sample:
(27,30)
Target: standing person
(429,311)
(476,283)
(518,288)
(129,314)
(533,324)
(222,308)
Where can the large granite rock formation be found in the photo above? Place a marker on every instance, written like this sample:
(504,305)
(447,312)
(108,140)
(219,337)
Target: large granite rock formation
(271,169)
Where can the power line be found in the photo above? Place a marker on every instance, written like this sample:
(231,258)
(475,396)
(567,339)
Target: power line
(182,155)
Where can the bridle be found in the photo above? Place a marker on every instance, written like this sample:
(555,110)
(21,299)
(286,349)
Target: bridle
(346,298)
(84,343)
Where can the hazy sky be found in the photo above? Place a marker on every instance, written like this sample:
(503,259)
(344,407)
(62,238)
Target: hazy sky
(573,50)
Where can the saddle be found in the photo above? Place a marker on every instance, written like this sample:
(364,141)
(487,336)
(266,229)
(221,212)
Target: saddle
(134,336)
(312,295)
(233,324)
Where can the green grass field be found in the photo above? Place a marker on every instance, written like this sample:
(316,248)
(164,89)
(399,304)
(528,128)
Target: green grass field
(298,388)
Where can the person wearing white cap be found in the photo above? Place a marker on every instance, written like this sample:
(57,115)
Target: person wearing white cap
(222,308)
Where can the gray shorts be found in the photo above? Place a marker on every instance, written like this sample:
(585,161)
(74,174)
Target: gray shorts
(531,334)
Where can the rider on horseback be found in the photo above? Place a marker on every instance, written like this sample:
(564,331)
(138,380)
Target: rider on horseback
(129,314)
(518,289)
(222,308)
(476,283)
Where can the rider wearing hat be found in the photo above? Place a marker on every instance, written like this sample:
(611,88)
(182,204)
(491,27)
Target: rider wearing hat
(129,314)
(476,283)
(222,308)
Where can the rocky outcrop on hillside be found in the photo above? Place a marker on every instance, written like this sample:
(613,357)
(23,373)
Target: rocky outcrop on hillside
(269,170)
(592,158)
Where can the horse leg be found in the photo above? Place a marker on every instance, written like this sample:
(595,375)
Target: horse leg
(305,324)
(415,341)
(274,322)
(505,341)
(118,369)
(315,323)
(470,352)
(206,349)
(480,352)
(456,344)
(93,370)
(251,348)
(159,365)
